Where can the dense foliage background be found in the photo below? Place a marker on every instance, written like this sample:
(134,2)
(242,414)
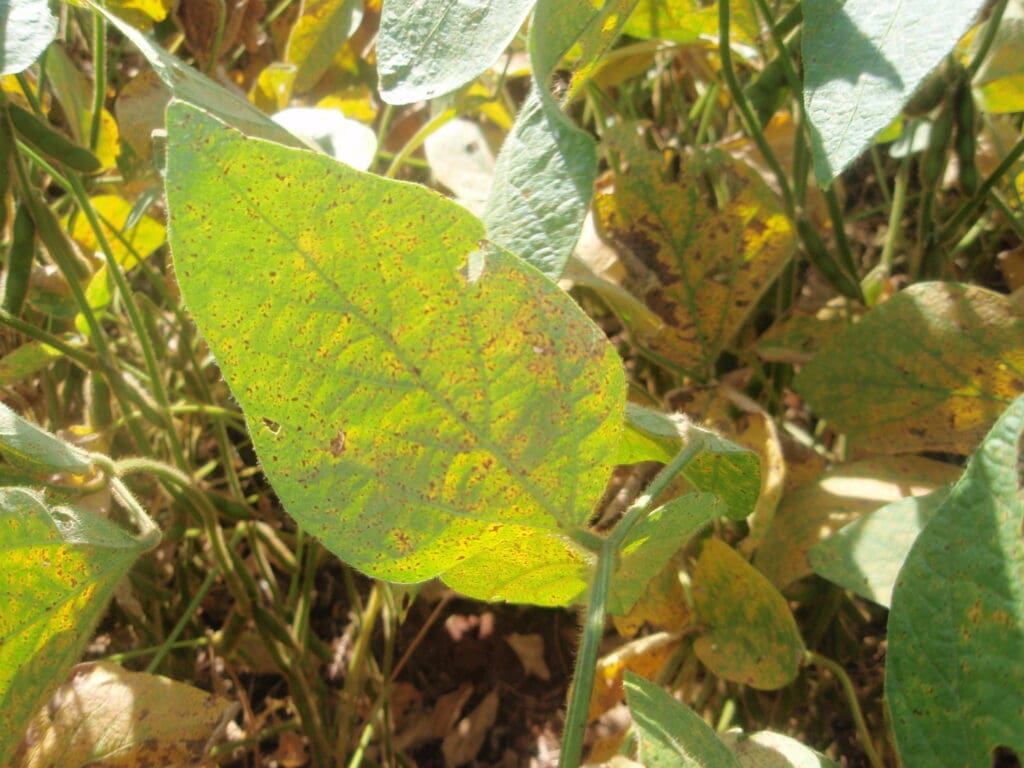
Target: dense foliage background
(783,238)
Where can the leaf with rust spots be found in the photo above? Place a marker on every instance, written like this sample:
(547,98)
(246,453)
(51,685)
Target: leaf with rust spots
(750,635)
(928,370)
(104,715)
(58,568)
(700,267)
(954,677)
(479,408)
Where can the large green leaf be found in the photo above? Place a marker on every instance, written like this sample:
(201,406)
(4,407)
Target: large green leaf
(928,370)
(26,28)
(670,734)
(544,175)
(954,677)
(427,48)
(863,59)
(425,403)
(58,567)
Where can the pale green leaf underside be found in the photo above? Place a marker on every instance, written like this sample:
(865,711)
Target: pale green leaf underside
(30,448)
(58,567)
(954,677)
(863,59)
(427,48)
(544,175)
(423,402)
(866,555)
(26,29)
(670,734)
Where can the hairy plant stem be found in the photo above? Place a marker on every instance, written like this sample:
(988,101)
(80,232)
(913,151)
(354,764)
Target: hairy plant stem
(593,626)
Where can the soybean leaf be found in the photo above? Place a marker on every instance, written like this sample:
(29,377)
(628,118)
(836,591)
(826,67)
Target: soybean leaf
(33,449)
(1000,80)
(750,635)
(653,541)
(103,714)
(671,735)
(815,510)
(863,59)
(427,48)
(866,556)
(928,370)
(686,21)
(722,467)
(544,175)
(320,32)
(954,681)
(188,84)
(700,268)
(58,568)
(425,403)
(26,29)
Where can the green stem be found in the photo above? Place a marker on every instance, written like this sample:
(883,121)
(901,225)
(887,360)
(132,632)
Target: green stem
(354,680)
(170,643)
(971,206)
(991,27)
(899,201)
(752,125)
(99,88)
(851,699)
(148,353)
(593,627)
(417,140)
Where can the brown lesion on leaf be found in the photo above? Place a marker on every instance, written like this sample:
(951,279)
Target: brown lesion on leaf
(271,425)
(338,443)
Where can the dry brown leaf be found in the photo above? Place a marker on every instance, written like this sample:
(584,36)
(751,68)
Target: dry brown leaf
(463,742)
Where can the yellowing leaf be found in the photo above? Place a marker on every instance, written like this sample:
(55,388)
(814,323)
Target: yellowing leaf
(320,32)
(106,715)
(144,237)
(928,370)
(272,90)
(750,636)
(701,268)
(355,102)
(687,20)
(58,567)
(645,657)
(141,13)
(97,294)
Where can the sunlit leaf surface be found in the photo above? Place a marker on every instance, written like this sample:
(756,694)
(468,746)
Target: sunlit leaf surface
(424,403)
